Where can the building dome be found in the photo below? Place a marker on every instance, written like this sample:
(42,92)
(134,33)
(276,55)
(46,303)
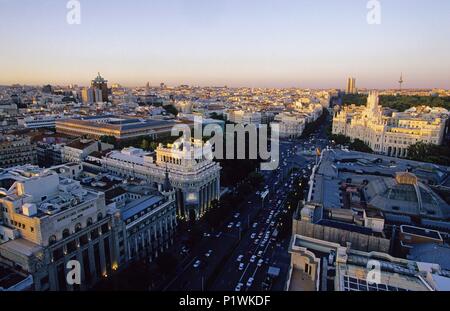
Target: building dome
(405,195)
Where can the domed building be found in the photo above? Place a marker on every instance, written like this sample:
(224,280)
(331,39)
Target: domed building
(406,195)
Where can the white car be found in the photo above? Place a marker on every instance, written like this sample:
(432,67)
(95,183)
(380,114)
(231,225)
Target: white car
(237,215)
(253,236)
(238,287)
(240,257)
(253,259)
(208,253)
(230,225)
(238,224)
(197,264)
(256,241)
(250,282)
(241,266)
(260,262)
(260,253)
(255,225)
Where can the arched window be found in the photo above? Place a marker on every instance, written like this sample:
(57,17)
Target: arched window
(52,240)
(99,216)
(89,221)
(78,227)
(65,233)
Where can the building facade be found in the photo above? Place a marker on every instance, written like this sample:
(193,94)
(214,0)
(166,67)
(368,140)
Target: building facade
(48,220)
(195,178)
(120,127)
(291,124)
(16,150)
(391,134)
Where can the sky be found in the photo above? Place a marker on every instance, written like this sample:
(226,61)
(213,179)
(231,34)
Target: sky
(254,43)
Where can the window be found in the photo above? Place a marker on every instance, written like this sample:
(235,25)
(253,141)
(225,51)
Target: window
(99,216)
(52,240)
(65,233)
(89,221)
(78,227)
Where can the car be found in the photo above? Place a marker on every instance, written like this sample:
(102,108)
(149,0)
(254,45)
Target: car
(206,235)
(197,264)
(255,225)
(260,262)
(240,257)
(184,249)
(237,215)
(238,224)
(253,259)
(268,221)
(241,266)
(272,223)
(260,253)
(218,235)
(256,241)
(230,225)
(239,287)
(209,253)
(250,282)
(249,202)
(253,236)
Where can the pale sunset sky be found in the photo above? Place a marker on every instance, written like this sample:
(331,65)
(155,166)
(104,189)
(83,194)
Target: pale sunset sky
(256,43)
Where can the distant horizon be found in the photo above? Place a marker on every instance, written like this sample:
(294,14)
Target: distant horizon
(83,85)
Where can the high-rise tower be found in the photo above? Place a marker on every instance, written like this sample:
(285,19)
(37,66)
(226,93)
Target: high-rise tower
(102,85)
(351,86)
(400,82)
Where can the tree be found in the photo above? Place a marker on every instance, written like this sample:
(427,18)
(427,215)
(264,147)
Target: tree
(359,145)
(171,109)
(216,116)
(108,140)
(429,153)
(340,139)
(145,144)
(166,262)
(255,180)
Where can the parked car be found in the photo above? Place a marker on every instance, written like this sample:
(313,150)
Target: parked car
(260,262)
(253,259)
(197,264)
(230,225)
(250,282)
(241,266)
(239,287)
(209,253)
(240,257)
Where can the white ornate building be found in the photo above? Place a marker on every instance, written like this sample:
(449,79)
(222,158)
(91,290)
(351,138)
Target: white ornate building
(196,178)
(291,124)
(391,134)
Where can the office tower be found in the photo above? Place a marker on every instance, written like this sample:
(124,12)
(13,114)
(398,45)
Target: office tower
(87,95)
(98,95)
(102,85)
(351,86)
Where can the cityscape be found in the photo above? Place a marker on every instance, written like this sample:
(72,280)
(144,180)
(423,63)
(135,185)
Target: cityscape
(164,181)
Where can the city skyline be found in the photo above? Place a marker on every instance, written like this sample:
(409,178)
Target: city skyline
(252,44)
